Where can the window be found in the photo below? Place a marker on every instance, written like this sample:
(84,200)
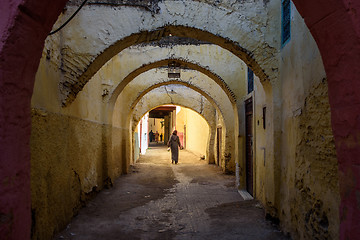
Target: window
(264,117)
(285,21)
(250,80)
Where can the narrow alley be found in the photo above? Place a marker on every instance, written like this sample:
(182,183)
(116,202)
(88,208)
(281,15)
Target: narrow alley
(160,200)
(263,96)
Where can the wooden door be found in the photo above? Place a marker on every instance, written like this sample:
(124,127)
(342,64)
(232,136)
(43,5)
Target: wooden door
(249,145)
(218,145)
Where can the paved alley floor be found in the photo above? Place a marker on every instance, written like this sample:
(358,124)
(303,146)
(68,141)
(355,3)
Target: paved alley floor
(159,200)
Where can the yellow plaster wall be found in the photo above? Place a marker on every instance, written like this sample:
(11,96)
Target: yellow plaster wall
(197,133)
(304,150)
(197,130)
(68,166)
(181,118)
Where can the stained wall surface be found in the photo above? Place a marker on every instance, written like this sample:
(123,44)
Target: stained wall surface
(309,159)
(307,190)
(70,153)
(68,166)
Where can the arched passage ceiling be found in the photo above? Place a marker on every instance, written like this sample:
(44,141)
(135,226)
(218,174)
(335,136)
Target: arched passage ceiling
(113,78)
(156,78)
(131,62)
(238,28)
(119,87)
(219,64)
(186,97)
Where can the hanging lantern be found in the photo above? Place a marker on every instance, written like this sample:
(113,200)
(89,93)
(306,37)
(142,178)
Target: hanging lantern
(173,70)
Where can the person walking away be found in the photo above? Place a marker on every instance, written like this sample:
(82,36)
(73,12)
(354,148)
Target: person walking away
(161,136)
(174,144)
(151,134)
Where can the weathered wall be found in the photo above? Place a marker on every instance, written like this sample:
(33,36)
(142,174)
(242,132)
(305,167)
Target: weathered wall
(297,145)
(336,29)
(70,152)
(316,194)
(120,151)
(68,164)
(309,190)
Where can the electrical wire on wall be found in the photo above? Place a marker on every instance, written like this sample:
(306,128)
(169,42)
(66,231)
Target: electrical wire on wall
(67,21)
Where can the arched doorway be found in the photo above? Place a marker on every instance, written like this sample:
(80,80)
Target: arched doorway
(34,19)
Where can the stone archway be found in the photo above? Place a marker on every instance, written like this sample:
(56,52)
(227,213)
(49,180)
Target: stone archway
(27,23)
(207,112)
(125,119)
(143,81)
(72,87)
(182,63)
(105,39)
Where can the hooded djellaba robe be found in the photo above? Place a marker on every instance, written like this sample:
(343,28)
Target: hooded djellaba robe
(174,144)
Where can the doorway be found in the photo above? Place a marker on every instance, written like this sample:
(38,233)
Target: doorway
(218,145)
(249,145)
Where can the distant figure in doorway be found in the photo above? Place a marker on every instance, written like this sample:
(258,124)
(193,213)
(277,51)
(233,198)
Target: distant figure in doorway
(156,137)
(174,144)
(161,137)
(151,135)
